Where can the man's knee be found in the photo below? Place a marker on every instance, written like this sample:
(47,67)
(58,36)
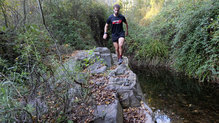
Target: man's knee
(120,46)
(121,41)
(116,48)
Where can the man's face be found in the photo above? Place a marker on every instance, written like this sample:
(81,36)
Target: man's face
(116,11)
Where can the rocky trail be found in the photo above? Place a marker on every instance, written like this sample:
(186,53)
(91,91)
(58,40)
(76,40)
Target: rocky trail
(114,93)
(90,87)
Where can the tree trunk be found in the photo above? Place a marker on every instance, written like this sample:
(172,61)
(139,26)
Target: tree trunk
(44,23)
(5,16)
(25,15)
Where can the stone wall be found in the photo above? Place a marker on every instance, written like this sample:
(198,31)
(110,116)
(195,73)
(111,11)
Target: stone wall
(114,88)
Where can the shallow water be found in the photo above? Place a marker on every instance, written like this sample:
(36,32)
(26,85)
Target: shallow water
(178,98)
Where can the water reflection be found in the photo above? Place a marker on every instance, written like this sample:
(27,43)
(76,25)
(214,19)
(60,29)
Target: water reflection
(181,98)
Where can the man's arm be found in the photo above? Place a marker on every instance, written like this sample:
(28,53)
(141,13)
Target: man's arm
(127,29)
(105,31)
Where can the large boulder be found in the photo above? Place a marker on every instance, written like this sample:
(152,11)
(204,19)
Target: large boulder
(38,104)
(74,93)
(126,87)
(128,99)
(81,77)
(121,69)
(97,68)
(66,72)
(104,53)
(69,74)
(118,83)
(111,113)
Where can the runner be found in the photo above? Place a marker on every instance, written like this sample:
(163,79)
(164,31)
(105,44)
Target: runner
(118,34)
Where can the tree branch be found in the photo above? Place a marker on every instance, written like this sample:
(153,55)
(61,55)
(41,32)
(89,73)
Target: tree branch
(44,23)
(4,13)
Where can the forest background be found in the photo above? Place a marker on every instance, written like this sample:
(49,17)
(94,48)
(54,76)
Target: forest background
(37,35)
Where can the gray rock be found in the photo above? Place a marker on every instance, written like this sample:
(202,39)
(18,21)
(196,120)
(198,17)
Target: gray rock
(139,93)
(111,113)
(115,59)
(100,70)
(97,68)
(97,54)
(147,108)
(102,50)
(74,92)
(128,89)
(81,78)
(99,83)
(40,105)
(132,76)
(80,56)
(120,84)
(66,72)
(127,83)
(121,69)
(161,117)
(104,53)
(118,81)
(107,59)
(94,66)
(149,118)
(112,73)
(128,99)
(69,66)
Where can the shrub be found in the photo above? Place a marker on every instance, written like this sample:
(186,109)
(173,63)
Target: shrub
(78,23)
(188,32)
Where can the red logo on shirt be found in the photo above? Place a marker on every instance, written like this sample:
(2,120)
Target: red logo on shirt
(117,21)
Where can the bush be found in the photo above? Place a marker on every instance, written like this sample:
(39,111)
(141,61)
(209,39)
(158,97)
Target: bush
(19,74)
(188,32)
(78,23)
(153,49)
(196,45)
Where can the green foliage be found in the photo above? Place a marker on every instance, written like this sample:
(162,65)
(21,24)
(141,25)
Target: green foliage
(78,23)
(28,55)
(88,61)
(32,47)
(145,46)
(32,43)
(29,48)
(8,103)
(196,45)
(185,32)
(153,49)
(72,32)
(91,60)
(97,15)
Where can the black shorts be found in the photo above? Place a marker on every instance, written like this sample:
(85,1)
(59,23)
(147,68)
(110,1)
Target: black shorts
(115,37)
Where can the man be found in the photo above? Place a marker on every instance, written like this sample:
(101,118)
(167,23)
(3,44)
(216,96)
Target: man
(118,34)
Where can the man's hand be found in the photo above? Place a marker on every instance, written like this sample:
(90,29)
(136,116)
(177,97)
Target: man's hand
(105,31)
(104,36)
(126,33)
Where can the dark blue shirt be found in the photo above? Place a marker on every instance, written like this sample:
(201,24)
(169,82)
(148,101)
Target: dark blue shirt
(116,23)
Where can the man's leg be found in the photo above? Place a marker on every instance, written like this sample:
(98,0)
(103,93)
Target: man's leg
(121,42)
(116,46)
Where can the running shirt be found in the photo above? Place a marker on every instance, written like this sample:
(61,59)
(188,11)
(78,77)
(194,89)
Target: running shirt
(116,23)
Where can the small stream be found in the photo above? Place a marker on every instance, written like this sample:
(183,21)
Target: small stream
(177,98)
